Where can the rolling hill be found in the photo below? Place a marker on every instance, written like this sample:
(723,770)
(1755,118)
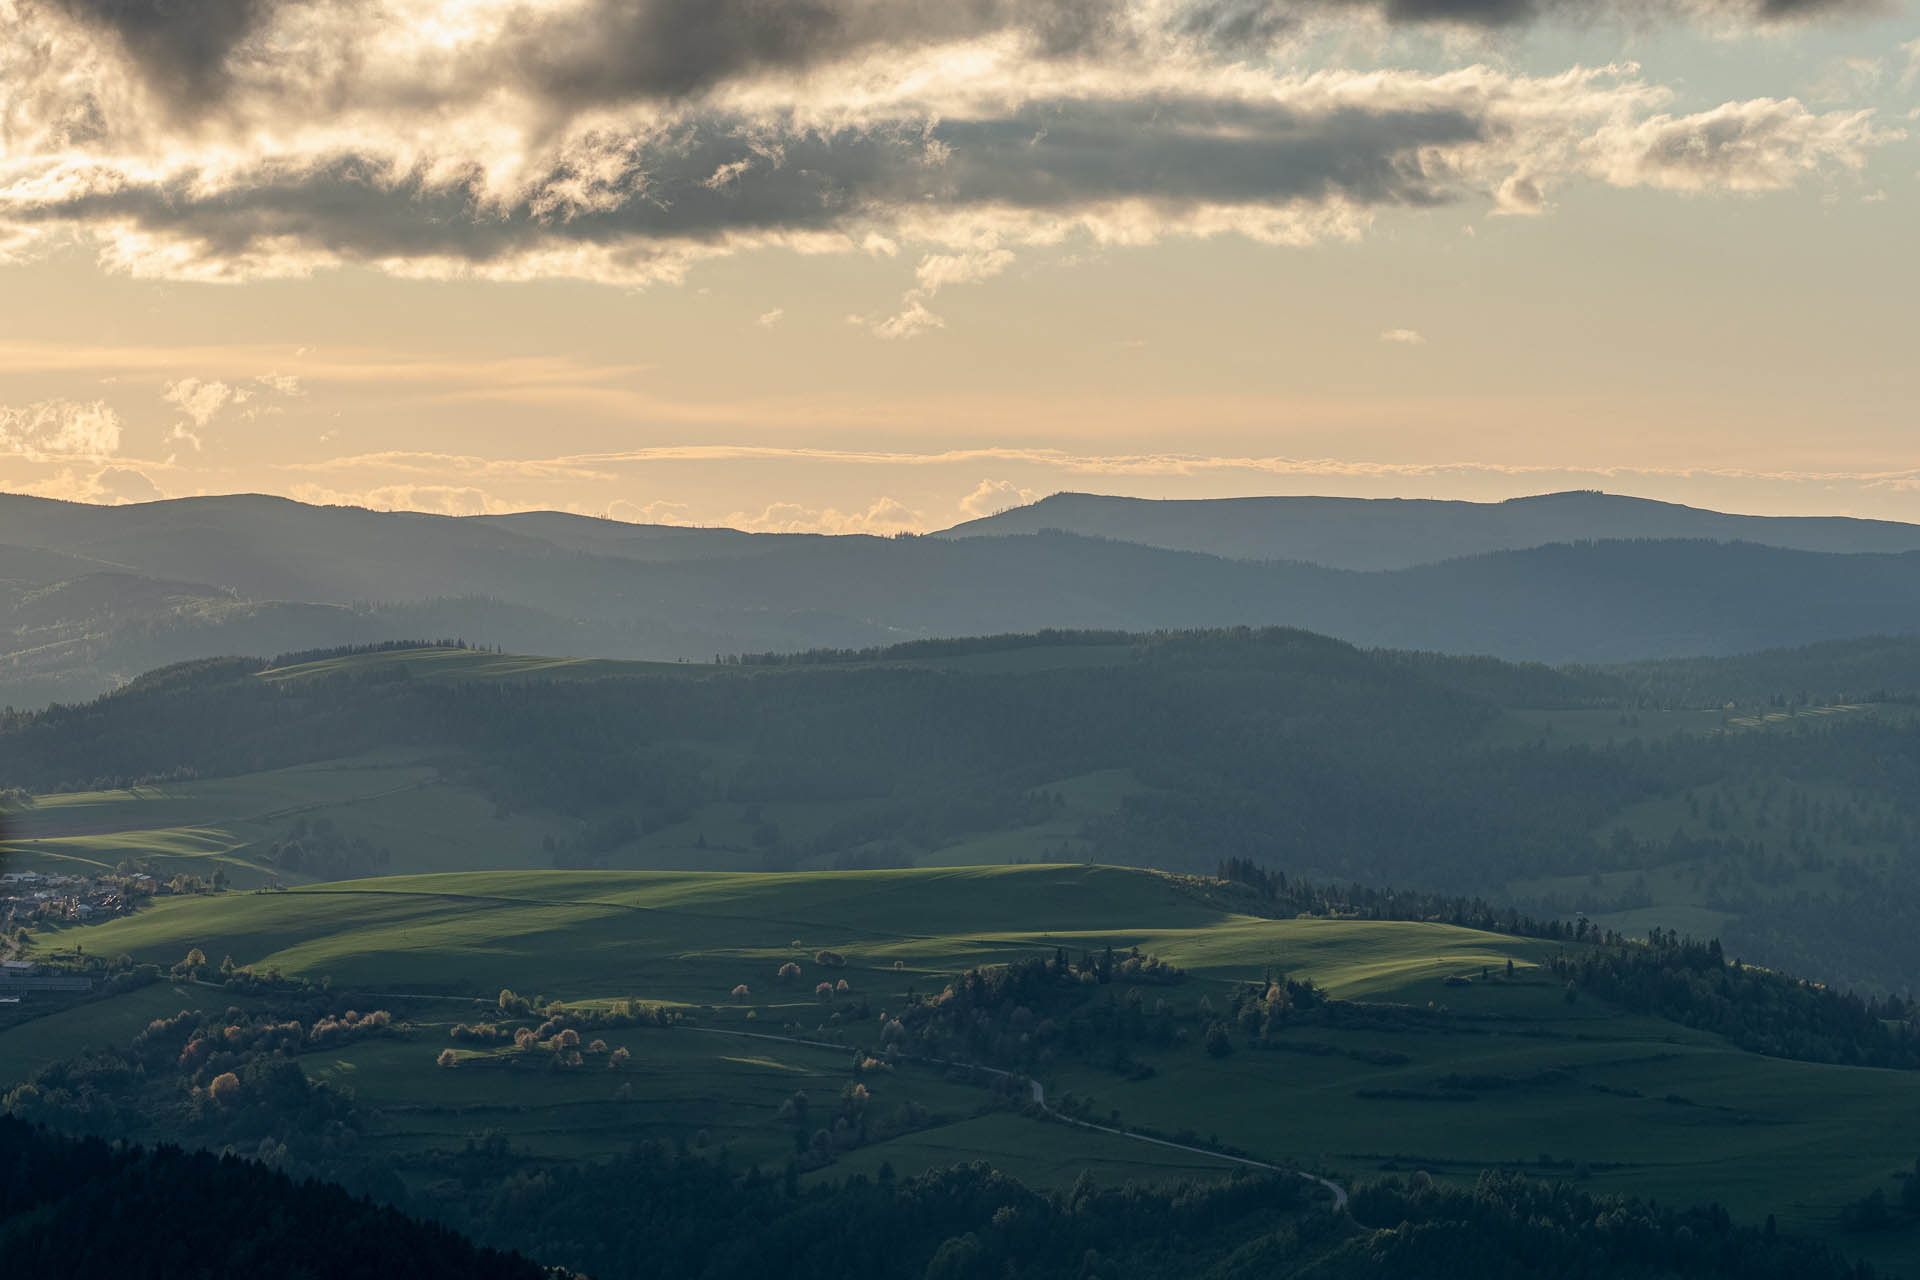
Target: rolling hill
(1784,824)
(1416,1044)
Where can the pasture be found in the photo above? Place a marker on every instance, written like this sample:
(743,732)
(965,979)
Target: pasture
(1464,1067)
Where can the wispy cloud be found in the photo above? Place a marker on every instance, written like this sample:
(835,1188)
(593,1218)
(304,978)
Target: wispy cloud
(910,322)
(1404,337)
(1096,464)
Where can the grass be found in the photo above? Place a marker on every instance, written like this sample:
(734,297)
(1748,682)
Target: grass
(1055,1157)
(682,1085)
(1647,1108)
(1642,1106)
(432,821)
(689,937)
(77,1027)
(396,801)
(472,664)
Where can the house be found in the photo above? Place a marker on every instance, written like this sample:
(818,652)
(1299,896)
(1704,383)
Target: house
(18,968)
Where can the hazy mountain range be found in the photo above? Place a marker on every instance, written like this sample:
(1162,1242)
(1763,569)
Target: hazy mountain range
(1399,533)
(94,595)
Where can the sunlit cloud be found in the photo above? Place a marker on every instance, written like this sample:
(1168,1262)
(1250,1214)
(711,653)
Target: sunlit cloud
(627,143)
(1762,145)
(885,515)
(60,429)
(992,496)
(439,499)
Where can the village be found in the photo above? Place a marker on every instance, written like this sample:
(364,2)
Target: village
(33,897)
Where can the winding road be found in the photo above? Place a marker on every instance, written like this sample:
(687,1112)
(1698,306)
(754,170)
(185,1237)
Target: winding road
(1039,1092)
(1040,1100)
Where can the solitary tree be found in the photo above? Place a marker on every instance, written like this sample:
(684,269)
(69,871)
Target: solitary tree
(788,972)
(741,995)
(448,1058)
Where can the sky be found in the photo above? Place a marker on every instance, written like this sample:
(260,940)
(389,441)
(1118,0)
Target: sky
(883,265)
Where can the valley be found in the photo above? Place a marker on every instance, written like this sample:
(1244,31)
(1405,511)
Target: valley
(1429,1054)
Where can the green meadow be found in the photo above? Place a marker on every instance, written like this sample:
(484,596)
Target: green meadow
(398,801)
(430,817)
(1572,1089)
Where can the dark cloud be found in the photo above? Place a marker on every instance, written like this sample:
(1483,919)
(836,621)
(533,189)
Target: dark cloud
(623,50)
(180,46)
(1251,24)
(714,180)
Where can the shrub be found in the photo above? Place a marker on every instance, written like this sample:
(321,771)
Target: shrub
(448,1058)
(824,992)
(741,995)
(829,959)
(619,1058)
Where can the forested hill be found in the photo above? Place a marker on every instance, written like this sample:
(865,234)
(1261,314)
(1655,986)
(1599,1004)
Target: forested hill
(1176,750)
(1398,533)
(90,597)
(84,1210)
(87,1210)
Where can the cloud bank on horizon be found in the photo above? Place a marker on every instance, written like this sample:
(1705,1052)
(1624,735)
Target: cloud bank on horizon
(623,141)
(945,148)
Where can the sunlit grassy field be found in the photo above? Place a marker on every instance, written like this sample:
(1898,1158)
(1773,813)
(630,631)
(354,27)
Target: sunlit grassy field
(1634,1104)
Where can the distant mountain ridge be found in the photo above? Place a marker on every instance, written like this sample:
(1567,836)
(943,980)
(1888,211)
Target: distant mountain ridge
(92,596)
(1400,533)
